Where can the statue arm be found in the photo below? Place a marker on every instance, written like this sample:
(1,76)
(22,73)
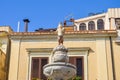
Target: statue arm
(63,30)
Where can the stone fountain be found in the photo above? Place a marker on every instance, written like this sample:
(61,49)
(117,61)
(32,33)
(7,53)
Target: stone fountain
(59,67)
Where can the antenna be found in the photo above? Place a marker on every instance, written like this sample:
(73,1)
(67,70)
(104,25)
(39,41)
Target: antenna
(18,28)
(68,16)
(68,20)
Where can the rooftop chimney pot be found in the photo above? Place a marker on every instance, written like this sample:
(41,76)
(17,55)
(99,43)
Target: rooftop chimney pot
(26,21)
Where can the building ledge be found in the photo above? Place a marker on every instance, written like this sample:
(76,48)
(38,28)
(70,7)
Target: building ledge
(48,36)
(3,33)
(90,17)
(70,32)
(51,49)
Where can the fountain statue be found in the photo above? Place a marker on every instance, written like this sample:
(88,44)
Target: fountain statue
(59,67)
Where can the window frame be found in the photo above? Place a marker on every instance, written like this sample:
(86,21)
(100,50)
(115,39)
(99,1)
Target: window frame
(100,24)
(76,51)
(82,26)
(91,25)
(117,23)
(40,71)
(75,63)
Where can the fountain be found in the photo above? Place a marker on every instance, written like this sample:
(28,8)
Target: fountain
(59,67)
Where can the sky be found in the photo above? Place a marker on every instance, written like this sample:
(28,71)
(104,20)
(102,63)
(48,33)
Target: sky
(49,13)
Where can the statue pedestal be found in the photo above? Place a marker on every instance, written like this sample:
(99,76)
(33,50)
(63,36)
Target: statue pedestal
(59,68)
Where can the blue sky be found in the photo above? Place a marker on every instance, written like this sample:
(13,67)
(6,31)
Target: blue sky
(48,13)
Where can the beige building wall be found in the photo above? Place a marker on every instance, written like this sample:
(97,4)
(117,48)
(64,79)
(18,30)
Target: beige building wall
(97,58)
(13,69)
(4,44)
(108,59)
(101,59)
(4,50)
(6,29)
(2,65)
(116,57)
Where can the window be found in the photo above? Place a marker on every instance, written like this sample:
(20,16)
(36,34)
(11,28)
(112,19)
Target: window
(82,26)
(78,62)
(37,67)
(79,66)
(117,22)
(91,25)
(100,24)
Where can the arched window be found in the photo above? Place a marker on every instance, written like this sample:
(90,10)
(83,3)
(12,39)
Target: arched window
(117,23)
(100,24)
(82,26)
(91,25)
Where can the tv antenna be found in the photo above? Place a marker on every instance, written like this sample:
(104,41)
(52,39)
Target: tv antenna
(68,16)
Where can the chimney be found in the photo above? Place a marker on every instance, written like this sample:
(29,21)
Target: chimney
(65,23)
(26,21)
(71,20)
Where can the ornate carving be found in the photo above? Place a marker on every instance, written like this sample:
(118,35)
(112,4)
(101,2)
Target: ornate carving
(59,68)
(59,54)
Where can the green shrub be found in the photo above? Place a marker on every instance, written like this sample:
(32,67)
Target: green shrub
(76,78)
(35,79)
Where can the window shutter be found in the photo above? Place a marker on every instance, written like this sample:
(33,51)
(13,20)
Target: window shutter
(44,61)
(78,62)
(35,68)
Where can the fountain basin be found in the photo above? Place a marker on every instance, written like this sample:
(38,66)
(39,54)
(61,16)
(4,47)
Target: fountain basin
(59,71)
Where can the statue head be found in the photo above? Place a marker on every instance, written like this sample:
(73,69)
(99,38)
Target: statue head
(60,25)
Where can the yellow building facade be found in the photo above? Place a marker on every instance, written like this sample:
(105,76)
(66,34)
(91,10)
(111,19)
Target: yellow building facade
(93,47)
(2,65)
(4,51)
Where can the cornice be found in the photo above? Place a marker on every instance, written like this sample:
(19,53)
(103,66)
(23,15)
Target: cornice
(70,49)
(71,34)
(3,33)
(39,50)
(91,18)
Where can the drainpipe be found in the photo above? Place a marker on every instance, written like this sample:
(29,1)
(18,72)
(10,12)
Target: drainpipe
(112,58)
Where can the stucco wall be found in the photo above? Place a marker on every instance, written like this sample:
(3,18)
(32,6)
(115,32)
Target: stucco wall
(2,65)
(97,68)
(116,55)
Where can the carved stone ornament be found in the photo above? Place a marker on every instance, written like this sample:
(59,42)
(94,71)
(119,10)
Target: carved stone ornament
(59,68)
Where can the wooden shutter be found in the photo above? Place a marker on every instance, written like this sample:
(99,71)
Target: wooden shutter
(35,68)
(79,66)
(72,60)
(44,61)
(78,62)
